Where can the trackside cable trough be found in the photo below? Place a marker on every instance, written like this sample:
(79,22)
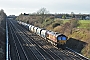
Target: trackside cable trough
(6,41)
(7,57)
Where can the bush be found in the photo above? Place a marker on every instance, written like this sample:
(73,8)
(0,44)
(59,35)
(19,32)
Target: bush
(74,23)
(49,27)
(47,23)
(55,25)
(58,21)
(58,29)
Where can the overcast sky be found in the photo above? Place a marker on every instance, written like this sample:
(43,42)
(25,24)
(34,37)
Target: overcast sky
(53,6)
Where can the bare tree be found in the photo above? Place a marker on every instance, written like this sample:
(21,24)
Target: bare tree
(70,25)
(72,15)
(73,24)
(42,12)
(65,27)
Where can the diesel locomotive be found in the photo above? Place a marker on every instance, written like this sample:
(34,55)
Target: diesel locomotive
(54,37)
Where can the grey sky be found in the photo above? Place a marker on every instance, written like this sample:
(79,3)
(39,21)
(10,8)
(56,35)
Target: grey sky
(54,6)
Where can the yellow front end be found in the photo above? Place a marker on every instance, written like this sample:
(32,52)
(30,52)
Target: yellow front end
(62,42)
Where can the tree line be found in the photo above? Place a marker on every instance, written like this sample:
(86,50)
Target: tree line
(2,18)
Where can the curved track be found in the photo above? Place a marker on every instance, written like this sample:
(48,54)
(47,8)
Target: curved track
(26,45)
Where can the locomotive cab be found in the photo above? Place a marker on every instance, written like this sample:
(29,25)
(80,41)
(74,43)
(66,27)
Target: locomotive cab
(61,39)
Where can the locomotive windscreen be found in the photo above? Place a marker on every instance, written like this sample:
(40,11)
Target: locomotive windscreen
(64,38)
(61,37)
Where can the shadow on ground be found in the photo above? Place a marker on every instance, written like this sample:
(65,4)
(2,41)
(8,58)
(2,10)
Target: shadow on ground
(75,44)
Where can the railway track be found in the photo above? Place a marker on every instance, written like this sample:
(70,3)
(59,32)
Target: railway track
(16,45)
(40,44)
(67,52)
(28,51)
(33,47)
(70,54)
(46,55)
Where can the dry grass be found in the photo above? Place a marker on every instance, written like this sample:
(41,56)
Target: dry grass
(86,51)
(83,35)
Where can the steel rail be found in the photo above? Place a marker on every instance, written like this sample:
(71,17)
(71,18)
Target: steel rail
(78,53)
(19,43)
(49,49)
(35,47)
(41,47)
(75,56)
(15,44)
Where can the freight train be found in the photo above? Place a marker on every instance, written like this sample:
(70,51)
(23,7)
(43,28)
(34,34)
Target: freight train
(53,37)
